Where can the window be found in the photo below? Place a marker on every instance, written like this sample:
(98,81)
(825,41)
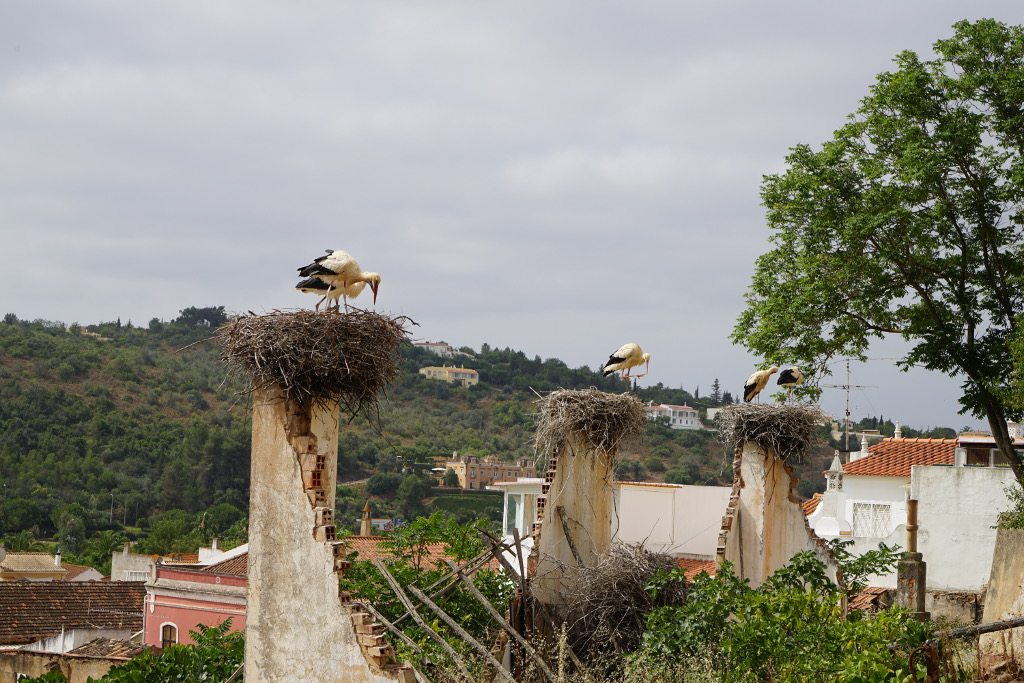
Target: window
(871,519)
(977,457)
(510,518)
(168,635)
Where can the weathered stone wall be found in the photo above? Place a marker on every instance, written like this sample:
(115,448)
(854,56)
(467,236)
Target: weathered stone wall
(764,525)
(1004,598)
(297,628)
(35,664)
(580,484)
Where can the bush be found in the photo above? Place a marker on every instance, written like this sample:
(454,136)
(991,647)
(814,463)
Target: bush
(384,483)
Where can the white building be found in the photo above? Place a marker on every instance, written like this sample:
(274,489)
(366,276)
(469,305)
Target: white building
(960,488)
(440,348)
(679,417)
(675,519)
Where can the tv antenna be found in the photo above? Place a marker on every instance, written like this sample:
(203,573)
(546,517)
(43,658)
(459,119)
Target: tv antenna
(847,387)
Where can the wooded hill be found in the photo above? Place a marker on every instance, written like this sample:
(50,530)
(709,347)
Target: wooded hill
(111,426)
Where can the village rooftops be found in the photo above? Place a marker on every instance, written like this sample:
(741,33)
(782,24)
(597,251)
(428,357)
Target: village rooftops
(31,566)
(107,648)
(34,610)
(895,457)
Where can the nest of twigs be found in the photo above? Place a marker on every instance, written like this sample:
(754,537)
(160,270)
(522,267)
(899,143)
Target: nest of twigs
(608,602)
(787,430)
(316,357)
(602,419)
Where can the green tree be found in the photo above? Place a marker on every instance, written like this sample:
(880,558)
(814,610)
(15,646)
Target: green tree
(451,479)
(908,222)
(716,392)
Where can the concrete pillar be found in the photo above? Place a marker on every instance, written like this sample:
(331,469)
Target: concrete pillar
(297,628)
(911,570)
(579,484)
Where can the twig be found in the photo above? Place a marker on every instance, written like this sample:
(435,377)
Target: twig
(463,634)
(568,535)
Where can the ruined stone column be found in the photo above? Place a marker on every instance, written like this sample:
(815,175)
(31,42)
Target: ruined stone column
(911,570)
(298,626)
(764,525)
(579,432)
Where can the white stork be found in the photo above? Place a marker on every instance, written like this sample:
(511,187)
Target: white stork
(757,382)
(628,356)
(790,378)
(340,272)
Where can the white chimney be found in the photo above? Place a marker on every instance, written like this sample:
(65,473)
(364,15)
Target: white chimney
(899,432)
(1014,429)
(56,558)
(864,446)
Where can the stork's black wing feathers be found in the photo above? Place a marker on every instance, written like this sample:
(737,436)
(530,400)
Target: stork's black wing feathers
(749,391)
(315,269)
(786,377)
(612,360)
(313,283)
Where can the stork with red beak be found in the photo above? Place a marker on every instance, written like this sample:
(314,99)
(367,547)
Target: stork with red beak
(628,356)
(342,276)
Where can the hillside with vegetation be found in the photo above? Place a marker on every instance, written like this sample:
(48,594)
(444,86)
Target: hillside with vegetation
(115,431)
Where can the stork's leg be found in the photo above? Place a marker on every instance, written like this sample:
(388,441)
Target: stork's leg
(317,307)
(330,285)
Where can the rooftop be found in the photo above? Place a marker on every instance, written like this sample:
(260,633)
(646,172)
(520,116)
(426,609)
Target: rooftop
(30,563)
(33,610)
(233,566)
(693,566)
(107,648)
(811,504)
(895,457)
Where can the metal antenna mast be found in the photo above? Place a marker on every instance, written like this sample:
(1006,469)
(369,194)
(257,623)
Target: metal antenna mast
(847,387)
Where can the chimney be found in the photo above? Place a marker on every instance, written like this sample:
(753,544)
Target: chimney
(366,525)
(214,544)
(56,558)
(899,432)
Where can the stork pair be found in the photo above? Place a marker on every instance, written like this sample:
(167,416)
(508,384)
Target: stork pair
(789,378)
(336,275)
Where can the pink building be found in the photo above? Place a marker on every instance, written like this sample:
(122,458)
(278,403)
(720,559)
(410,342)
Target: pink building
(178,599)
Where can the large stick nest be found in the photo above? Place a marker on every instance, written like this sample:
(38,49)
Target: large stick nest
(787,430)
(608,602)
(316,357)
(602,419)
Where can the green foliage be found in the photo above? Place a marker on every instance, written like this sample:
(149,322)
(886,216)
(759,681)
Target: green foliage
(791,628)
(907,222)
(214,657)
(857,568)
(1014,517)
(451,479)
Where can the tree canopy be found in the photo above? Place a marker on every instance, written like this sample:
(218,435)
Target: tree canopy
(908,222)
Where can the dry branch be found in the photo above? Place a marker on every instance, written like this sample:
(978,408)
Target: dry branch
(602,419)
(607,602)
(316,357)
(786,430)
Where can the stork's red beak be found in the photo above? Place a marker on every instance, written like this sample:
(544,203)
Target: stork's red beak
(373,288)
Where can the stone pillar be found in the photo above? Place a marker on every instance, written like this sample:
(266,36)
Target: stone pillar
(911,571)
(578,490)
(297,627)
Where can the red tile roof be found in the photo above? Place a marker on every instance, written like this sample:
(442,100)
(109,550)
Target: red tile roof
(811,504)
(33,610)
(693,566)
(233,566)
(106,648)
(894,457)
(870,599)
(74,570)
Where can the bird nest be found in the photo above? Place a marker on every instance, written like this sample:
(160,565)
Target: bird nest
(602,419)
(609,602)
(787,430)
(316,357)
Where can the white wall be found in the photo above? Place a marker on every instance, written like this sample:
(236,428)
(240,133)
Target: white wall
(957,511)
(667,518)
(886,490)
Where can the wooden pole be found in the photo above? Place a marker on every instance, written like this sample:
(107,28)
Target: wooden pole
(400,594)
(482,599)
(463,634)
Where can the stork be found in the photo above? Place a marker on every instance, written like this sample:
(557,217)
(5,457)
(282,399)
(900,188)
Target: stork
(790,378)
(314,285)
(628,356)
(339,271)
(756,382)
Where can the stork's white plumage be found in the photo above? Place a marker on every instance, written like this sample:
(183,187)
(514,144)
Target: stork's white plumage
(756,382)
(339,271)
(628,356)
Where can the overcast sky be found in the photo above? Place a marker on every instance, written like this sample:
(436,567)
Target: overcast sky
(558,177)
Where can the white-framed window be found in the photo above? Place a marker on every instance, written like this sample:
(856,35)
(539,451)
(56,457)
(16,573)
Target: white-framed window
(871,519)
(168,634)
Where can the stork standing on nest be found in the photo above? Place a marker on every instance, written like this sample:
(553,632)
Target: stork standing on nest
(628,356)
(341,273)
(790,378)
(757,382)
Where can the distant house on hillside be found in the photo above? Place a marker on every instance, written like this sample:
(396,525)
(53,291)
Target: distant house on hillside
(17,566)
(679,417)
(440,348)
(467,377)
(478,473)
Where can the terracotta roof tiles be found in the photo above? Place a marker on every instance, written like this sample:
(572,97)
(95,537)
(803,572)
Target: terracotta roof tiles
(33,610)
(811,504)
(233,566)
(107,648)
(694,566)
(895,457)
